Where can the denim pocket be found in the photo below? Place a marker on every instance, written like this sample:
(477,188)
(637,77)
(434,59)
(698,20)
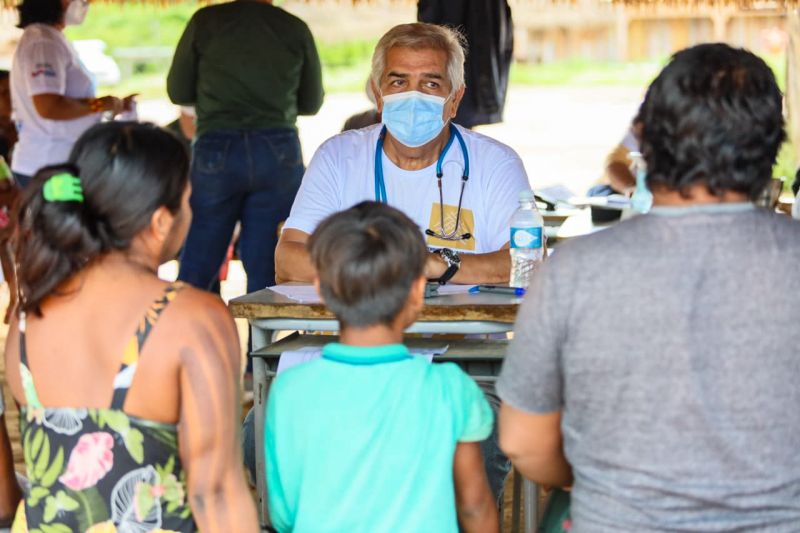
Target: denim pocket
(286,149)
(210,155)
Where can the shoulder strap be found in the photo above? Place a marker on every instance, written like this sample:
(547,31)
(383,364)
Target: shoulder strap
(31,398)
(130,359)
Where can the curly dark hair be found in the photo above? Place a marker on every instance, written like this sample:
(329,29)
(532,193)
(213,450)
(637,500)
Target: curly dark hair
(127,170)
(712,116)
(43,11)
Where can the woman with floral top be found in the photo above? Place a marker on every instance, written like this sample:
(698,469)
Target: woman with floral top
(110,446)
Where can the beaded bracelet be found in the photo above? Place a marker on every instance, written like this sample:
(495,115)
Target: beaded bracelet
(95,105)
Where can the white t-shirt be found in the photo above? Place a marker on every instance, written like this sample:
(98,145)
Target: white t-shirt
(45,62)
(342,174)
(630,141)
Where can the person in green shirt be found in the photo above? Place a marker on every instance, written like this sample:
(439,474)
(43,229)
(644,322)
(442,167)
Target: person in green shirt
(369,437)
(250,69)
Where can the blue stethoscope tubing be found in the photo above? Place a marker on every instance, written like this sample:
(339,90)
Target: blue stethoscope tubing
(380,184)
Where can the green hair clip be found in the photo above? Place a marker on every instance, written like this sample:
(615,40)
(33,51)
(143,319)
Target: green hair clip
(63,187)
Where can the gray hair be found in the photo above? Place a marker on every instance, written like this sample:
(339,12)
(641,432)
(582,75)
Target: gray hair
(423,36)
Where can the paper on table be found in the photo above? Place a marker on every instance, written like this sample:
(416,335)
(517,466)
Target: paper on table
(307,294)
(304,294)
(556,193)
(428,353)
(297,357)
(305,354)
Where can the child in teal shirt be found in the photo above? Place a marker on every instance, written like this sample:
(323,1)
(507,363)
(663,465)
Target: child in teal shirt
(370,438)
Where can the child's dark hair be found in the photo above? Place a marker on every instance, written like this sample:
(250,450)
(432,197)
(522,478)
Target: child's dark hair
(367,258)
(4,74)
(43,11)
(127,171)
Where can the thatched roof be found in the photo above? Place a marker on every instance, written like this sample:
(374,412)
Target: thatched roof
(343,3)
(520,8)
(780,5)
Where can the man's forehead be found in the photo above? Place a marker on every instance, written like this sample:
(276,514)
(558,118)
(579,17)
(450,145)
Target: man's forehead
(425,61)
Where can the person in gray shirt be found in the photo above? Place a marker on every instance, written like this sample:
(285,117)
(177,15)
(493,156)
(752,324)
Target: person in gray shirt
(655,365)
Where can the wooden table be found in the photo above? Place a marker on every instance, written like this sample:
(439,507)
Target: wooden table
(268,312)
(455,313)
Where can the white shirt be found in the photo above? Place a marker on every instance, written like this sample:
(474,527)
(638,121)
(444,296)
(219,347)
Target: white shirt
(630,141)
(45,62)
(342,174)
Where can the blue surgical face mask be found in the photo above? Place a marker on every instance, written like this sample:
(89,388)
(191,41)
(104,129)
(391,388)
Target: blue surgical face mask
(412,117)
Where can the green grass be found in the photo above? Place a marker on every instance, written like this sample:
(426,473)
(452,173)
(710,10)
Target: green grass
(579,72)
(150,86)
(134,24)
(346,53)
(785,166)
(346,64)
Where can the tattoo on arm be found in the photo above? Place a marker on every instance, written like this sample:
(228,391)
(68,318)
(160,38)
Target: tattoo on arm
(209,428)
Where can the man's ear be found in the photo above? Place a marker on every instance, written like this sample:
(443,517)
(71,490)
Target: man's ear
(376,92)
(456,101)
(319,291)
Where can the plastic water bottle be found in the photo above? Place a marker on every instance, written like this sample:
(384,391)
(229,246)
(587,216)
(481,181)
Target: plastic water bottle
(642,199)
(527,240)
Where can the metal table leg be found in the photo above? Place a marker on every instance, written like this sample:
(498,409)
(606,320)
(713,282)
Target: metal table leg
(260,338)
(515,500)
(530,499)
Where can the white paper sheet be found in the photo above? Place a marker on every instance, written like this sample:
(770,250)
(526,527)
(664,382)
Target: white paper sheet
(292,358)
(444,290)
(304,294)
(307,294)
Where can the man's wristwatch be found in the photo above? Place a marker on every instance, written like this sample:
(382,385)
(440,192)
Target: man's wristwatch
(453,262)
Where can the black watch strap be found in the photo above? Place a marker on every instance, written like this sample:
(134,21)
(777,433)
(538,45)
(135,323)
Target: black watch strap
(453,264)
(448,274)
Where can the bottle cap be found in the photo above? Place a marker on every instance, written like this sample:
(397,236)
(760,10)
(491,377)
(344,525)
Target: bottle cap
(526,196)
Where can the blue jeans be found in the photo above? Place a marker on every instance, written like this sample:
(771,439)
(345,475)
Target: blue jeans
(495,462)
(600,190)
(247,176)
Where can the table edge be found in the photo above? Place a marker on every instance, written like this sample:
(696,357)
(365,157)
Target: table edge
(505,313)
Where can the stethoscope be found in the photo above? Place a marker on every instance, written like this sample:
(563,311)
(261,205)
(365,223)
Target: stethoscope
(380,185)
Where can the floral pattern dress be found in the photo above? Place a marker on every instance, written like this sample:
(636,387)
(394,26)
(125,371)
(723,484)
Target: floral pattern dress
(101,470)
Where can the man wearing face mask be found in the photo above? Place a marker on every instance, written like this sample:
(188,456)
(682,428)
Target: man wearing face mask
(460,187)
(52,92)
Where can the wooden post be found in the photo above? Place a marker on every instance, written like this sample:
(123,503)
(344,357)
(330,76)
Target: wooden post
(792,80)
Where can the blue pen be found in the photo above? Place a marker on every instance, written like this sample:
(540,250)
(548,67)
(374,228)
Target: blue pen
(498,289)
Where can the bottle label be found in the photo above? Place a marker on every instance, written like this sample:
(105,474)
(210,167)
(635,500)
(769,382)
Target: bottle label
(526,237)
